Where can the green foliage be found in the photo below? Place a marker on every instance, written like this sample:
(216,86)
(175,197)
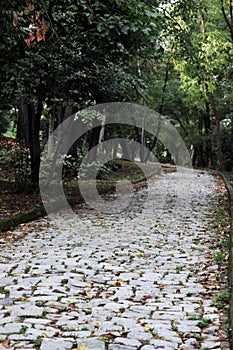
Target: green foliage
(4,124)
(86,46)
(196,63)
(80,53)
(16,161)
(204,322)
(202,51)
(222,299)
(219,257)
(61,54)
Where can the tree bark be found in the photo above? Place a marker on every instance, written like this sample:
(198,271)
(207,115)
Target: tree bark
(208,145)
(125,150)
(218,132)
(50,132)
(94,141)
(29,128)
(34,139)
(23,125)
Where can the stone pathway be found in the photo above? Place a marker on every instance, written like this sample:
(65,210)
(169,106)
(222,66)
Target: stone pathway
(145,280)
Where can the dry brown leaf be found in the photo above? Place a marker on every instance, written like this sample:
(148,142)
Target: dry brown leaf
(28,42)
(15,20)
(6,344)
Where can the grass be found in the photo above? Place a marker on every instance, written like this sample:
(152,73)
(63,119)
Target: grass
(38,342)
(174,327)
(179,268)
(219,257)
(113,171)
(87,311)
(11,132)
(64,281)
(198,337)
(204,323)
(4,290)
(125,169)
(23,330)
(27,269)
(222,299)
(194,318)
(40,303)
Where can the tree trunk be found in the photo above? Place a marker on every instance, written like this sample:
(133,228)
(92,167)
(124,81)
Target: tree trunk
(94,141)
(208,146)
(51,130)
(29,128)
(34,139)
(228,19)
(201,161)
(194,157)
(101,136)
(23,125)
(125,149)
(218,132)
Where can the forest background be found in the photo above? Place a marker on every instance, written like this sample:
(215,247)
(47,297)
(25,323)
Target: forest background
(60,56)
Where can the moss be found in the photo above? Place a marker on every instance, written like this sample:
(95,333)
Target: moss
(17,219)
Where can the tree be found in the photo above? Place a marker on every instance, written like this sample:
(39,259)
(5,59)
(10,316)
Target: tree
(65,56)
(227,11)
(200,54)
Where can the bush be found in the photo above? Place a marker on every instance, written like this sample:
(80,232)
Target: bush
(15,162)
(4,124)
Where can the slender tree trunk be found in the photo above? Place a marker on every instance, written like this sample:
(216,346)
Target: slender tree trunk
(101,136)
(142,153)
(23,125)
(161,106)
(125,149)
(94,141)
(207,124)
(228,20)
(207,114)
(141,138)
(218,132)
(29,127)
(194,157)
(51,130)
(34,117)
(115,149)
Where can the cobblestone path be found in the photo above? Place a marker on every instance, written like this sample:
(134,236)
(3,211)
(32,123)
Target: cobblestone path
(114,282)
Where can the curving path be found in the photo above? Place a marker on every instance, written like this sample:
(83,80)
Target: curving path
(145,279)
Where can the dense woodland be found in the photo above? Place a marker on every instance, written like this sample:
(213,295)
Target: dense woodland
(61,56)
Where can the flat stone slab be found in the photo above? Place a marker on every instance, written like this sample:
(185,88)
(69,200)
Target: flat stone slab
(55,344)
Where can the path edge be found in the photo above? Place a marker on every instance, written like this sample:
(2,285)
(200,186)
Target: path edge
(39,211)
(230,263)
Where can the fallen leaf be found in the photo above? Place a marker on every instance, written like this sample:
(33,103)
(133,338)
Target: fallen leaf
(6,343)
(117,283)
(107,336)
(162,286)
(147,328)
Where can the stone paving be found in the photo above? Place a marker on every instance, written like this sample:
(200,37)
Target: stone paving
(117,282)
